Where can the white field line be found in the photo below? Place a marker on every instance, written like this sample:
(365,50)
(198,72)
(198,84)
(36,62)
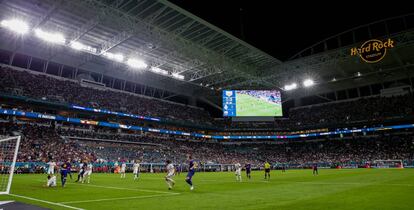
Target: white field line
(122,198)
(48,202)
(161,194)
(123,188)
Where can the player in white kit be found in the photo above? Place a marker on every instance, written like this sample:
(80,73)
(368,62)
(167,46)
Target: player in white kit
(51,181)
(170,175)
(123,169)
(88,173)
(136,170)
(51,168)
(238,168)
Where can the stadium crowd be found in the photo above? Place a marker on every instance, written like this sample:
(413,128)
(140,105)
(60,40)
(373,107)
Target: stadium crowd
(366,110)
(50,88)
(42,143)
(371,109)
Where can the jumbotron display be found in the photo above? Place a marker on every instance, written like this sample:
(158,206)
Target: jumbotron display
(252,103)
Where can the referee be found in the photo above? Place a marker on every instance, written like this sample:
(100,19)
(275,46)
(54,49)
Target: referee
(267,170)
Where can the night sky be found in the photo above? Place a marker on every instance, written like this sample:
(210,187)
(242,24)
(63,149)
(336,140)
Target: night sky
(283,29)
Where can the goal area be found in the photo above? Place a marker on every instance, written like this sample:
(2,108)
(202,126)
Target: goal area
(9,147)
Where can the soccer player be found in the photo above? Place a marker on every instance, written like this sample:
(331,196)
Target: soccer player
(51,181)
(315,169)
(123,169)
(248,170)
(238,168)
(82,169)
(69,167)
(63,173)
(191,171)
(88,173)
(51,168)
(170,175)
(179,169)
(283,168)
(267,170)
(136,170)
(116,169)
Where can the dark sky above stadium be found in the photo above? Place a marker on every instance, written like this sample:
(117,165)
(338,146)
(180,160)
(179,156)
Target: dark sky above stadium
(284,28)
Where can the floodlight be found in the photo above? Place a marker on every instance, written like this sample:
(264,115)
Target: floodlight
(77,45)
(159,71)
(308,83)
(116,57)
(136,63)
(291,86)
(178,76)
(15,25)
(57,38)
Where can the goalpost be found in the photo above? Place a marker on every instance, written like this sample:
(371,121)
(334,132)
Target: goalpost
(388,164)
(9,148)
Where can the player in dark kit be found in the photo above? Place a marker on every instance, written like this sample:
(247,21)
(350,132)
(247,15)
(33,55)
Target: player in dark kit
(63,173)
(248,170)
(315,169)
(69,168)
(179,169)
(191,171)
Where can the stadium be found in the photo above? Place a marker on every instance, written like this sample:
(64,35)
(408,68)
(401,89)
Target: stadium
(156,104)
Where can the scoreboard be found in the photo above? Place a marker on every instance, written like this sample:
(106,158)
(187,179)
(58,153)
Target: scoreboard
(252,103)
(229,103)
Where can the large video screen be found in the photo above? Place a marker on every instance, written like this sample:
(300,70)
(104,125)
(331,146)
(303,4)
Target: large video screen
(250,103)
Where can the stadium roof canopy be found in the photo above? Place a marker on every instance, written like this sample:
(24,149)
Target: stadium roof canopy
(155,31)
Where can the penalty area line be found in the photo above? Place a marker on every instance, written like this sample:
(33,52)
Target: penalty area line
(122,198)
(43,201)
(123,188)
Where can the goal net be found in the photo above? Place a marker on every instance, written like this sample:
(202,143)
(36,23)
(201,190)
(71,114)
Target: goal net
(8,155)
(388,164)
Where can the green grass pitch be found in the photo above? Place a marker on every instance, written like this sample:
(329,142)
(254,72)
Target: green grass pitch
(250,106)
(295,189)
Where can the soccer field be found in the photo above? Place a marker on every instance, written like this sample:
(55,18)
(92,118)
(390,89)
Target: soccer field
(294,189)
(251,106)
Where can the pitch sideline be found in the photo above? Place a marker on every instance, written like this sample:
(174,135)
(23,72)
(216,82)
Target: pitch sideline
(44,201)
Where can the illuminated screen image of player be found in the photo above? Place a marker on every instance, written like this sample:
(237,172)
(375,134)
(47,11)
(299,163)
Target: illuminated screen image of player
(258,103)
(252,103)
